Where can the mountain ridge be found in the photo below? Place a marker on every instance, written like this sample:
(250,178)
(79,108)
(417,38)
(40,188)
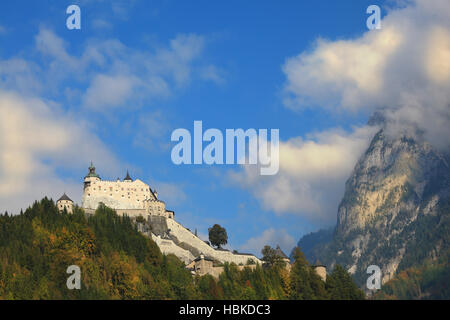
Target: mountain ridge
(394,212)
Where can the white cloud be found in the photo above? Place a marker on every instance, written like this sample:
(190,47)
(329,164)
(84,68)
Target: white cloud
(2,30)
(272,237)
(403,68)
(36,140)
(312,175)
(402,71)
(102,24)
(178,58)
(50,44)
(213,73)
(109,91)
(152,131)
(20,74)
(172,193)
(118,76)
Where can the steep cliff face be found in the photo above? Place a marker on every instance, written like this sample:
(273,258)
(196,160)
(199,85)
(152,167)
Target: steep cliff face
(395,209)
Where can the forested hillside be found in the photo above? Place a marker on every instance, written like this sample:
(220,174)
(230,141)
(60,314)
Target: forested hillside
(118,262)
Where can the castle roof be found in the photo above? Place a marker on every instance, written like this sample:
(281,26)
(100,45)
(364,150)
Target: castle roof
(319,264)
(64,197)
(128,178)
(280,253)
(92,172)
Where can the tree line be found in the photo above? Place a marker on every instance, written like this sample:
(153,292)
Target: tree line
(118,262)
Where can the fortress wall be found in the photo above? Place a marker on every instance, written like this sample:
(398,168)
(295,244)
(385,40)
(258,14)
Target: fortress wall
(157,208)
(168,247)
(118,194)
(132,213)
(184,235)
(206,268)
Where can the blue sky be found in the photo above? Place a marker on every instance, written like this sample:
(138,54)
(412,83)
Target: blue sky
(114,91)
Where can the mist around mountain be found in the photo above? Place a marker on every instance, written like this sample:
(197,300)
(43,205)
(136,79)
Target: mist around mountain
(395,214)
(308,243)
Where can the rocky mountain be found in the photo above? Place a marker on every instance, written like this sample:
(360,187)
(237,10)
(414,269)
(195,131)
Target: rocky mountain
(395,210)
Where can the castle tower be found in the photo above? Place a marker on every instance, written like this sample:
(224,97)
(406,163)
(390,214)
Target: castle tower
(131,197)
(128,178)
(65,202)
(321,270)
(284,258)
(92,176)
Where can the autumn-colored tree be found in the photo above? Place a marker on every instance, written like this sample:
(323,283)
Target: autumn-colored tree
(118,262)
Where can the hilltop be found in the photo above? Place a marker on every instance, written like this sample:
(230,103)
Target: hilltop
(119,262)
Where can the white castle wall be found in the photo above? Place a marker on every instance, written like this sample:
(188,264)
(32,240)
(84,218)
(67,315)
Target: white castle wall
(61,204)
(184,235)
(169,247)
(116,194)
(133,198)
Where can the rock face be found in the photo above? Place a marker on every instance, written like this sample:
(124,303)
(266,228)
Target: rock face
(394,212)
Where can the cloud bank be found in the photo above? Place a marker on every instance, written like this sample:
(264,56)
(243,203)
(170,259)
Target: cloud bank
(36,140)
(113,75)
(310,182)
(401,71)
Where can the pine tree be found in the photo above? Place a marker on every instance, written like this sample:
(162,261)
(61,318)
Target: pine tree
(341,286)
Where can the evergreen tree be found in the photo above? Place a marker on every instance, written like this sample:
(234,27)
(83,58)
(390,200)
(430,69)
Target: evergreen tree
(118,262)
(341,286)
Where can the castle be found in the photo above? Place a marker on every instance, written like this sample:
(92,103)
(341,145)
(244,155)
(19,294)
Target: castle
(131,197)
(135,198)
